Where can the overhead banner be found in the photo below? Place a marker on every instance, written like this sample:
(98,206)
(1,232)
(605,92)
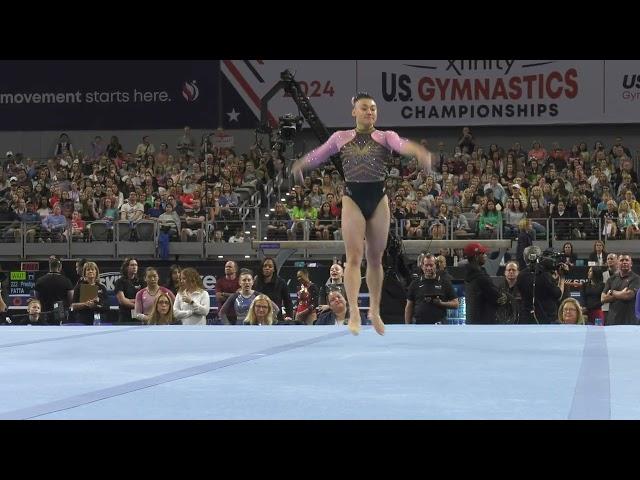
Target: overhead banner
(108,94)
(484,92)
(329,84)
(622,90)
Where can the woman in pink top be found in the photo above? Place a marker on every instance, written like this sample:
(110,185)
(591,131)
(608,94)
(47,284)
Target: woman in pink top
(365,208)
(146,298)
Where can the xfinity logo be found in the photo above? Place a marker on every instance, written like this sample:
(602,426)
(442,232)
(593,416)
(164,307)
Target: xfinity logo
(190,91)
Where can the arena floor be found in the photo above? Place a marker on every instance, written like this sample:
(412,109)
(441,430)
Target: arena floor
(293,372)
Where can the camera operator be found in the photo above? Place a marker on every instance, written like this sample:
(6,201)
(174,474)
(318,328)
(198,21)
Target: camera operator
(431,294)
(482,296)
(546,274)
(620,291)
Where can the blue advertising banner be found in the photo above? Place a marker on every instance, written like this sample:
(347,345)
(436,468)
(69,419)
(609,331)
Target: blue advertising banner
(108,94)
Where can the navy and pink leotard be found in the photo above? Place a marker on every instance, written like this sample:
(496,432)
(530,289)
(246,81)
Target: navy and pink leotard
(363,160)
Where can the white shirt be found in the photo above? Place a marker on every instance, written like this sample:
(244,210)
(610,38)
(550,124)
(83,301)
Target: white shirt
(195,313)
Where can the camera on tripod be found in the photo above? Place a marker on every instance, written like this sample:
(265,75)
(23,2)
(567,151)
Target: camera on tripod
(548,260)
(288,126)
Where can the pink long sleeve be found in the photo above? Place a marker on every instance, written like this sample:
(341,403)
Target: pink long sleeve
(391,140)
(318,156)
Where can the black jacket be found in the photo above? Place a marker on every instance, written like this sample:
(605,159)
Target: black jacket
(278,292)
(547,296)
(481,295)
(591,295)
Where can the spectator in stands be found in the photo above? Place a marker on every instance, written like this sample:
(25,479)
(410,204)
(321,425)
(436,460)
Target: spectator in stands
(526,237)
(145,148)
(132,210)
(627,221)
(194,223)
(279,221)
(170,221)
(570,312)
(620,291)
(489,221)
(569,257)
(192,303)
(326,223)
(609,220)
(126,288)
(77,229)
(64,146)
(599,254)
(162,311)
(466,142)
(268,282)
(53,225)
(591,292)
(84,310)
(186,144)
(261,311)
(303,216)
(146,297)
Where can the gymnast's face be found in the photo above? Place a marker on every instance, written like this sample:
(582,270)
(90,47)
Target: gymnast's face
(365,112)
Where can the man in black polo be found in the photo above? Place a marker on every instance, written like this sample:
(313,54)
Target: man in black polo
(620,291)
(55,292)
(429,296)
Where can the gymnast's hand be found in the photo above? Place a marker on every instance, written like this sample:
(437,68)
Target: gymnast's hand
(296,171)
(424,158)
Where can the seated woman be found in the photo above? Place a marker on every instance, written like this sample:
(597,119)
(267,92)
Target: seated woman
(162,311)
(240,302)
(338,310)
(261,311)
(146,298)
(570,312)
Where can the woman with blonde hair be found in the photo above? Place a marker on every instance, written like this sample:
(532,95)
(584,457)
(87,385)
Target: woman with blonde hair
(162,312)
(570,312)
(192,301)
(260,312)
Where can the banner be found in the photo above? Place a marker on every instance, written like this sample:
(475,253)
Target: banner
(622,91)
(484,92)
(329,84)
(108,94)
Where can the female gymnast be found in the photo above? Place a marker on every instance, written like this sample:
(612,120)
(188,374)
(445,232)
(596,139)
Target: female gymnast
(365,208)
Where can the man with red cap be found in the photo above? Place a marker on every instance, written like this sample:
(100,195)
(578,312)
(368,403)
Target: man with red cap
(481,295)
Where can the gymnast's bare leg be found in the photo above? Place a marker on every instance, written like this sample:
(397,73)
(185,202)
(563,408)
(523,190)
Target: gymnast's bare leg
(376,236)
(353,231)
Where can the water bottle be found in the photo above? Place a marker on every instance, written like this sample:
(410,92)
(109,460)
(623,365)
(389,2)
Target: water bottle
(599,321)
(455,260)
(96,319)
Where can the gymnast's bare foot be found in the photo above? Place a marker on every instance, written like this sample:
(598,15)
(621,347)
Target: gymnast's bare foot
(377,323)
(354,325)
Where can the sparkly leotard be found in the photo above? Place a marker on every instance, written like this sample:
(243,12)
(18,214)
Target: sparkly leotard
(363,160)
